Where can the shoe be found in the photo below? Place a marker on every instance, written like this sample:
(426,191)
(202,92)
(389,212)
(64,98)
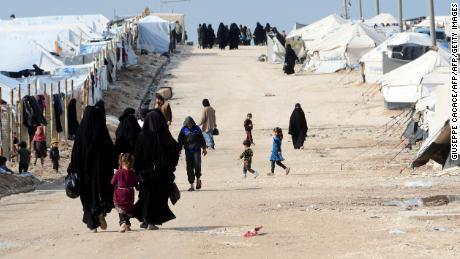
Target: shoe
(128,227)
(123,228)
(152,227)
(93,230)
(288,170)
(256,174)
(102,222)
(144,225)
(191,189)
(244,176)
(198,184)
(271,174)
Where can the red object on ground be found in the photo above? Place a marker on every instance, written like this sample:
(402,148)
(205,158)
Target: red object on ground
(253,232)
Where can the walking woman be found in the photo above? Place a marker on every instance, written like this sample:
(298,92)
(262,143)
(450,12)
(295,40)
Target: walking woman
(156,157)
(39,142)
(289,60)
(298,127)
(93,160)
(277,156)
(127,132)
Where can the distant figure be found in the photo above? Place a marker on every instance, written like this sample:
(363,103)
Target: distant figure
(279,36)
(298,127)
(248,36)
(277,156)
(12,16)
(247,159)
(54,155)
(192,140)
(200,40)
(234,36)
(259,35)
(222,36)
(208,123)
(211,37)
(289,60)
(179,32)
(124,180)
(164,107)
(24,157)
(268,28)
(3,168)
(39,141)
(204,36)
(248,126)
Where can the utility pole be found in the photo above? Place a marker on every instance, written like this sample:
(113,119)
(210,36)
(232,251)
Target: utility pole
(377,4)
(432,24)
(361,10)
(400,11)
(345,7)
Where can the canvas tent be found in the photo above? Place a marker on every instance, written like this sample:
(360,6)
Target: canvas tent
(154,34)
(383,18)
(342,47)
(402,86)
(373,60)
(275,50)
(173,17)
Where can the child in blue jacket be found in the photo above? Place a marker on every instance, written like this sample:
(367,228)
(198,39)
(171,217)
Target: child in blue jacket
(276,156)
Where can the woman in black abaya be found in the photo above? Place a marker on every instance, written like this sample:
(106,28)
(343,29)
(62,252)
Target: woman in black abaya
(204,36)
(157,155)
(298,127)
(211,36)
(234,36)
(259,35)
(93,160)
(222,36)
(289,60)
(127,132)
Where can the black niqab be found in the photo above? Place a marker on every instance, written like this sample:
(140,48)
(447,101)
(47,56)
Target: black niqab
(127,132)
(222,36)
(298,127)
(289,60)
(259,34)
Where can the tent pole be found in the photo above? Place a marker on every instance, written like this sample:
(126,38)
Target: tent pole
(51,109)
(377,5)
(19,114)
(65,110)
(432,24)
(345,8)
(11,123)
(400,13)
(59,96)
(361,10)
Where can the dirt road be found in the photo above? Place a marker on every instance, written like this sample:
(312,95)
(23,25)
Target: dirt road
(330,206)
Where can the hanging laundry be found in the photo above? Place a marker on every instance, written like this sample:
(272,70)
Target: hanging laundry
(72,122)
(32,115)
(57,105)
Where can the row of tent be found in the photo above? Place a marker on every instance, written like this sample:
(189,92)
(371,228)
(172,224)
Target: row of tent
(410,72)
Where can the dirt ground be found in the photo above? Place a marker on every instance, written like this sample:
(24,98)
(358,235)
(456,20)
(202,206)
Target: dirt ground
(332,205)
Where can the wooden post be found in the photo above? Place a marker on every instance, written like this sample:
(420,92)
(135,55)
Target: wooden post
(1,125)
(59,96)
(65,110)
(19,114)
(36,87)
(51,109)
(71,89)
(28,89)
(11,123)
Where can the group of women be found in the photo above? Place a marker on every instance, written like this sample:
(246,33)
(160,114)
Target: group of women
(94,158)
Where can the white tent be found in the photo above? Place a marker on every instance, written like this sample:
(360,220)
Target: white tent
(402,86)
(154,34)
(318,29)
(342,47)
(275,50)
(373,60)
(383,18)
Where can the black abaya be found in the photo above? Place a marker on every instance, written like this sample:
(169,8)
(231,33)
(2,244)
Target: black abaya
(211,37)
(72,122)
(222,36)
(204,36)
(93,160)
(298,127)
(259,35)
(157,155)
(234,36)
(127,132)
(289,60)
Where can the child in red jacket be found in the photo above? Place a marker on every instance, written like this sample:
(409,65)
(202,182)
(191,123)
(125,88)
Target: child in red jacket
(125,180)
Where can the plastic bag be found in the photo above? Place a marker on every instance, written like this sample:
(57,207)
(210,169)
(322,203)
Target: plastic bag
(72,186)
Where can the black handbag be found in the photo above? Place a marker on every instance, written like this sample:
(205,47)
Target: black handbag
(215,132)
(175,194)
(72,186)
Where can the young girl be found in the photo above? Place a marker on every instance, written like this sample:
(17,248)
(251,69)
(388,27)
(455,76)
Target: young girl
(124,180)
(39,142)
(277,156)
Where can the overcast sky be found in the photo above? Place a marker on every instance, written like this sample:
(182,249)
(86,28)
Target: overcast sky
(281,14)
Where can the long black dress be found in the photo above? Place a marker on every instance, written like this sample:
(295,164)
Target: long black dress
(234,36)
(298,127)
(222,36)
(204,36)
(289,60)
(259,35)
(72,122)
(93,160)
(211,36)
(157,155)
(127,132)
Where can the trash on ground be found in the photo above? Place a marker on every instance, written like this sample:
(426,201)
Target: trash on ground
(419,184)
(395,232)
(253,232)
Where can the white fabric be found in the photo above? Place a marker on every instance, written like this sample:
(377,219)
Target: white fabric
(383,18)
(154,34)
(276,50)
(343,45)
(374,60)
(402,85)
(92,47)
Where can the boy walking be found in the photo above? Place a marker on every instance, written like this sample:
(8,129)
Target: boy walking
(248,128)
(24,157)
(54,154)
(247,159)
(191,138)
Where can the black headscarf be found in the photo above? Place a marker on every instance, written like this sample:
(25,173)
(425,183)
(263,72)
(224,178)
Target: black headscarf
(93,160)
(298,126)
(206,103)
(259,34)
(72,122)
(234,36)
(222,34)
(157,155)
(127,132)
(204,35)
(211,36)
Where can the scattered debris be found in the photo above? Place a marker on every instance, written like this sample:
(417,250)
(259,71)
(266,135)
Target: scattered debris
(253,232)
(262,58)
(419,184)
(396,232)
(269,95)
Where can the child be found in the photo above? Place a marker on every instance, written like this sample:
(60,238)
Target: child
(124,180)
(15,145)
(247,159)
(24,157)
(277,156)
(54,154)
(192,139)
(248,128)
(3,168)
(40,144)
